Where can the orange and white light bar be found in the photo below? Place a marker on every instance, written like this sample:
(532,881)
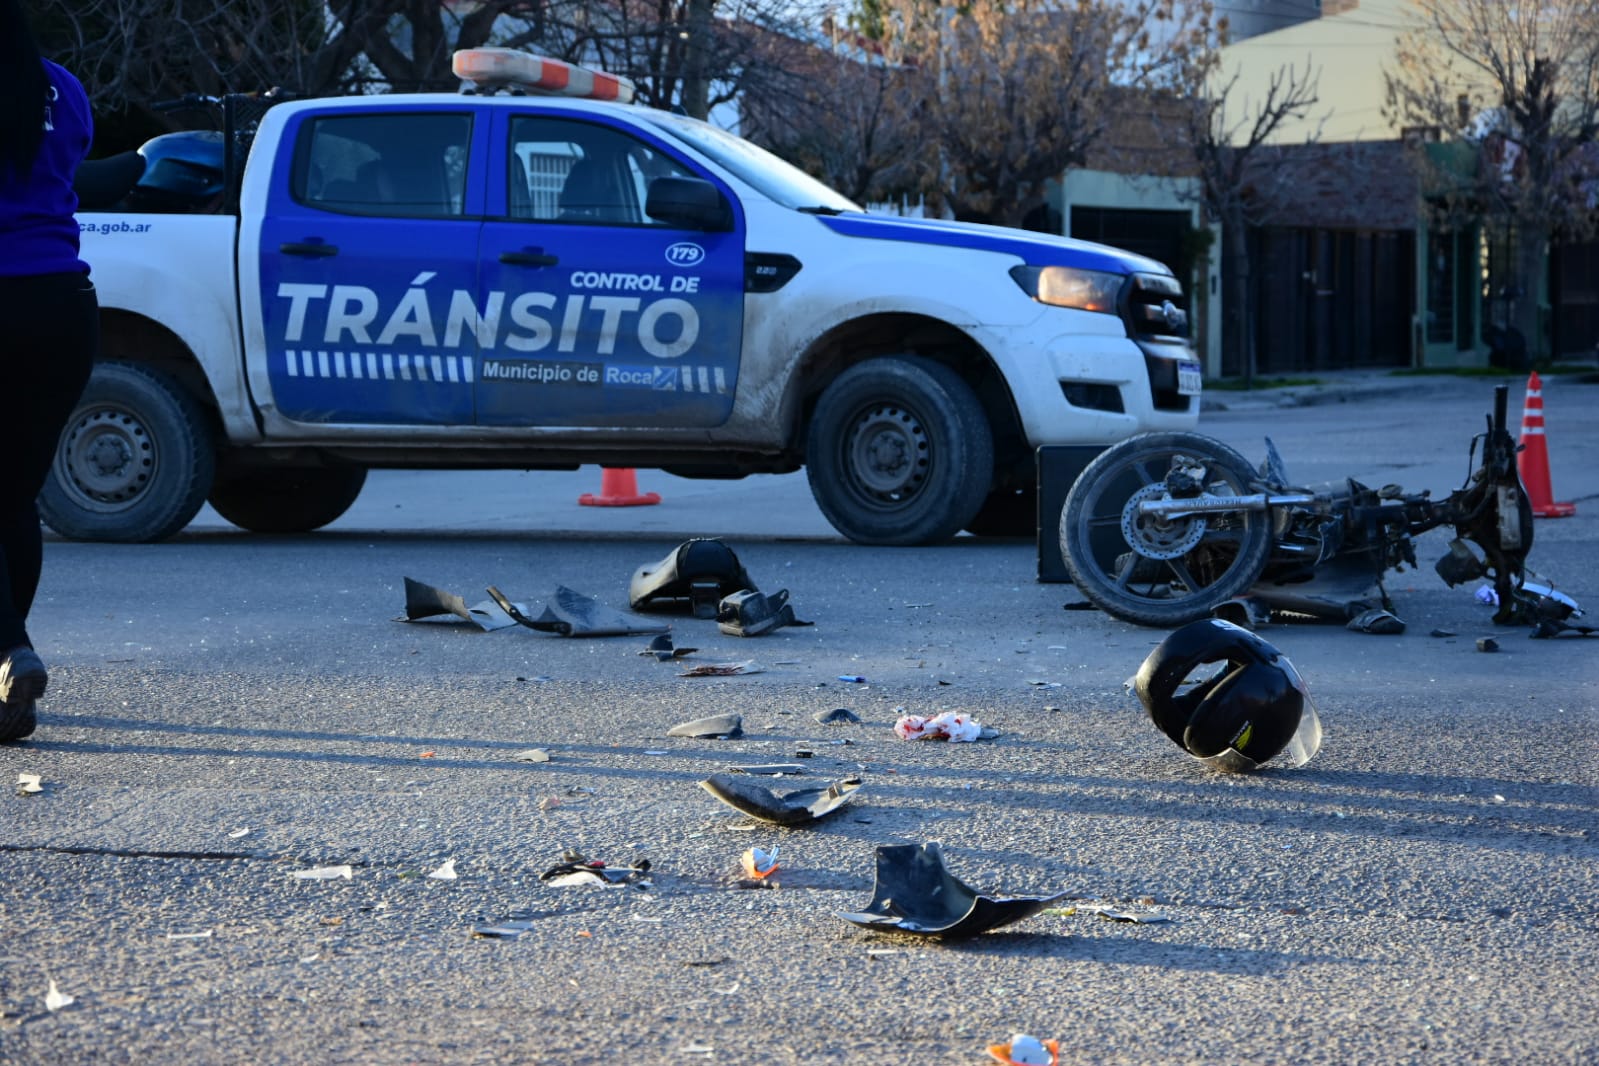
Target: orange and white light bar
(493,67)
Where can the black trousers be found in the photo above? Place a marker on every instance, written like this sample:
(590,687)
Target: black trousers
(49,333)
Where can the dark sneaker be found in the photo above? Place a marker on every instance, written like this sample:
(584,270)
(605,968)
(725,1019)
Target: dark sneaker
(22,682)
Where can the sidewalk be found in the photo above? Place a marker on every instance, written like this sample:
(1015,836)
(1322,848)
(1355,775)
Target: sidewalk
(1335,386)
(1348,386)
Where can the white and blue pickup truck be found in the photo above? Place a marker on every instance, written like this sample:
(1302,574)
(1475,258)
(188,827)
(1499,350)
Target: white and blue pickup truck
(483,280)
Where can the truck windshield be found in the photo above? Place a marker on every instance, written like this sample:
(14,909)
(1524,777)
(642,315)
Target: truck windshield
(780,181)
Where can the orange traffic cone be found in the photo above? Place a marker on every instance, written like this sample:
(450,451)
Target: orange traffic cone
(1533,458)
(618,488)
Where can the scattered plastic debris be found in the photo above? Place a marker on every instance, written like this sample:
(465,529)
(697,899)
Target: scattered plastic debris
(202,935)
(55,999)
(1024,1050)
(716,727)
(657,752)
(1376,621)
(1245,612)
(914,893)
(510,929)
(532,755)
(1114,914)
(237,833)
(694,577)
(1487,644)
(759,864)
(1443,633)
(572,614)
(950,725)
(576,870)
(749,613)
(776,769)
(27,784)
(446,872)
(426,601)
(1486,595)
(1550,628)
(325,873)
(854,679)
(790,808)
(721,669)
(837,716)
(664,650)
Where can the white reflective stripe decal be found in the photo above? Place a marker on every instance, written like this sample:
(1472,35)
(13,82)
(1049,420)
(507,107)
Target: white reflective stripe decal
(721,380)
(338,364)
(1532,431)
(294,368)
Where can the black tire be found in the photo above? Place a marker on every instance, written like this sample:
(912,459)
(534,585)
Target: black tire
(135,461)
(1006,513)
(899,452)
(1227,558)
(292,500)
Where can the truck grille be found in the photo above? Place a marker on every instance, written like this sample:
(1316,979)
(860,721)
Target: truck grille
(1153,306)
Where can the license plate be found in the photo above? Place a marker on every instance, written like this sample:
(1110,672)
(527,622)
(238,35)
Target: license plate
(1190,379)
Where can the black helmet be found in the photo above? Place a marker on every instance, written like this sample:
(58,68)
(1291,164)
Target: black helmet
(1242,715)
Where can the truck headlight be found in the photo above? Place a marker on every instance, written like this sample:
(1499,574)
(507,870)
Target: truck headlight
(1061,286)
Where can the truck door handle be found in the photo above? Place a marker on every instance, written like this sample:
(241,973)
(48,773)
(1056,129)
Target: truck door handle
(311,248)
(529,258)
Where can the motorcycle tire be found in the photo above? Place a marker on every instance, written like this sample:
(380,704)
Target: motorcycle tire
(1182,573)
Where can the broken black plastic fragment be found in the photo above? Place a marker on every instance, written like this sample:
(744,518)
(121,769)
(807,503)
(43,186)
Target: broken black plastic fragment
(694,577)
(837,716)
(915,893)
(1376,621)
(790,808)
(1554,627)
(427,601)
(748,613)
(580,871)
(775,769)
(664,650)
(716,727)
(572,614)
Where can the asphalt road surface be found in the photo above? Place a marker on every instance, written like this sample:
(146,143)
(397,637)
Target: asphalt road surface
(227,711)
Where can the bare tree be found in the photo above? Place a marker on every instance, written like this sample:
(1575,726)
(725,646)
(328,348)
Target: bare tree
(1013,92)
(1238,180)
(845,119)
(1521,82)
(687,54)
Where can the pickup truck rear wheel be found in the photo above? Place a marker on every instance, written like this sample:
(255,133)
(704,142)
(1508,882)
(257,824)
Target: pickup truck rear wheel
(295,500)
(899,452)
(135,460)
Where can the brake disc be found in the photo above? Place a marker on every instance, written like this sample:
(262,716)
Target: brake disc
(1157,537)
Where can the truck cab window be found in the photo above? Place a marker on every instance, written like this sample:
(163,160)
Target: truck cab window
(394,165)
(562,170)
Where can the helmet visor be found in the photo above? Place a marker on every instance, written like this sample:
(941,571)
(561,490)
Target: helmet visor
(1301,747)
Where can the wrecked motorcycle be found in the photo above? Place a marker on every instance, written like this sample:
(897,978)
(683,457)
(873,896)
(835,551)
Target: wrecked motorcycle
(1164,528)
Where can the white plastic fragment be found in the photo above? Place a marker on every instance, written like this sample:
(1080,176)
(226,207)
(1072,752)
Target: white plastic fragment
(237,833)
(27,783)
(55,999)
(202,935)
(325,873)
(445,872)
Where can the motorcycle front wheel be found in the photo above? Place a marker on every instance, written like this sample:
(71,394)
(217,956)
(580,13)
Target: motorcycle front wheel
(1154,571)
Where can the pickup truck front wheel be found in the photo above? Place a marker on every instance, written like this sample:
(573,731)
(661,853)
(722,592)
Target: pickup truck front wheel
(899,452)
(135,461)
(295,500)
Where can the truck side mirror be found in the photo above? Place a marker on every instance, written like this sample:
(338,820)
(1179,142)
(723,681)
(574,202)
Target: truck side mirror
(691,203)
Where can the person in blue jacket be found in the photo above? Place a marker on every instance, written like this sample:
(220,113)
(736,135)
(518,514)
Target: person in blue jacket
(49,329)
